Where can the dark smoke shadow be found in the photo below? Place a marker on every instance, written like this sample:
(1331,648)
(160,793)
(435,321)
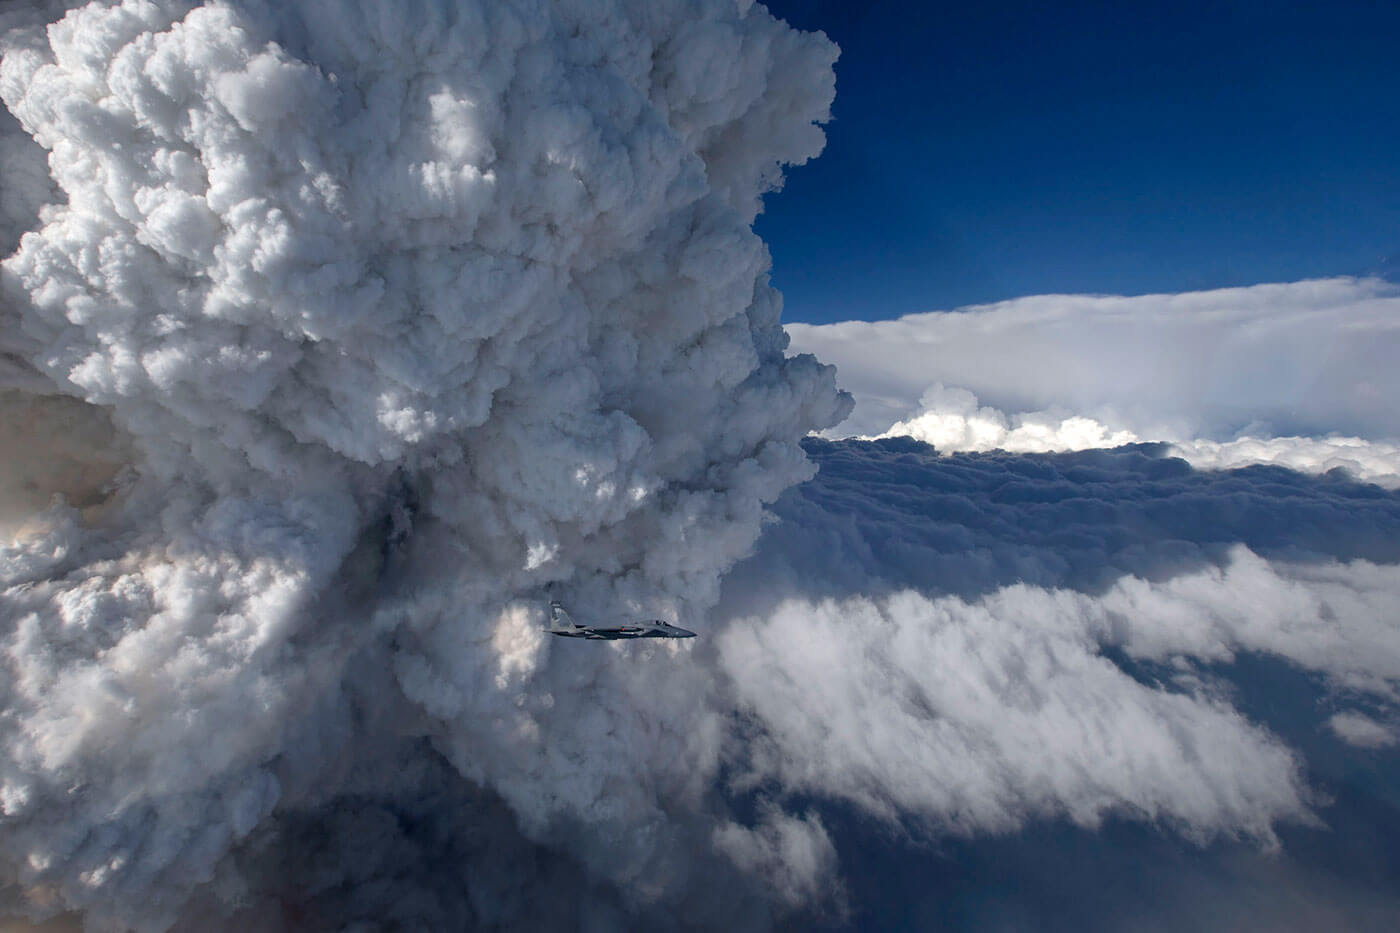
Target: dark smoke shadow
(423,848)
(894,514)
(429,850)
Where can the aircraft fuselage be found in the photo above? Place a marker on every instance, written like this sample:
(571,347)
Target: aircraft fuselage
(561,624)
(652,629)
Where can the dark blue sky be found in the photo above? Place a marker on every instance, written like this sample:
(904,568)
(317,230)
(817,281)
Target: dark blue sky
(986,151)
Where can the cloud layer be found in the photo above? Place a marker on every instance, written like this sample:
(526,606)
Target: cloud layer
(974,646)
(929,567)
(1301,359)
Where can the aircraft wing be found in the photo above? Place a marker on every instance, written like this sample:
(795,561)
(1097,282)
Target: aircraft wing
(616,631)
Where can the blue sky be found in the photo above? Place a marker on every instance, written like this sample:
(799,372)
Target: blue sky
(987,151)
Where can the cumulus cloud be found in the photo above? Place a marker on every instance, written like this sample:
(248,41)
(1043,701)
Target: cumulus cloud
(952,420)
(976,717)
(1361,730)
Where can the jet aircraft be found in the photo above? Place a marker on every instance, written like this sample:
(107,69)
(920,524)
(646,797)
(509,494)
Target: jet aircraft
(561,624)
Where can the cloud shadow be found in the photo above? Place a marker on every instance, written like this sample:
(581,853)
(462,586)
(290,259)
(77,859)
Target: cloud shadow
(894,514)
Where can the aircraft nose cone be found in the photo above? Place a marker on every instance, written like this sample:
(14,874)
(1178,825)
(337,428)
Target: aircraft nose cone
(683,632)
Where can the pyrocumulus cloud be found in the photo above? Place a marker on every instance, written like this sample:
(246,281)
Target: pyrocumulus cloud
(336,334)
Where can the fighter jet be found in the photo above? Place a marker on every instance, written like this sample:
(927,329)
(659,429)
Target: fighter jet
(561,624)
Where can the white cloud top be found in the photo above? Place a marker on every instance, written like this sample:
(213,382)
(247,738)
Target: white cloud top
(1303,359)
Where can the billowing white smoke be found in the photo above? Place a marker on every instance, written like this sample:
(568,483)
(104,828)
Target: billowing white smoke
(395,315)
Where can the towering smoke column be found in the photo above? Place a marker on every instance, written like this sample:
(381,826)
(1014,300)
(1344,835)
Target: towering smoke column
(336,334)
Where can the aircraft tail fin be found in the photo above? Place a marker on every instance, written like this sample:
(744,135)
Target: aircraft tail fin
(559,620)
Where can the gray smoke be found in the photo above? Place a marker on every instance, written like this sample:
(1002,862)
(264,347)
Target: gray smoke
(339,333)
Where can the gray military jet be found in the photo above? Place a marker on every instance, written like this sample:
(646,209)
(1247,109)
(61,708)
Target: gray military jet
(561,624)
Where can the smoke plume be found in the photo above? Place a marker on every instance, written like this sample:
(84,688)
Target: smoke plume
(336,335)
